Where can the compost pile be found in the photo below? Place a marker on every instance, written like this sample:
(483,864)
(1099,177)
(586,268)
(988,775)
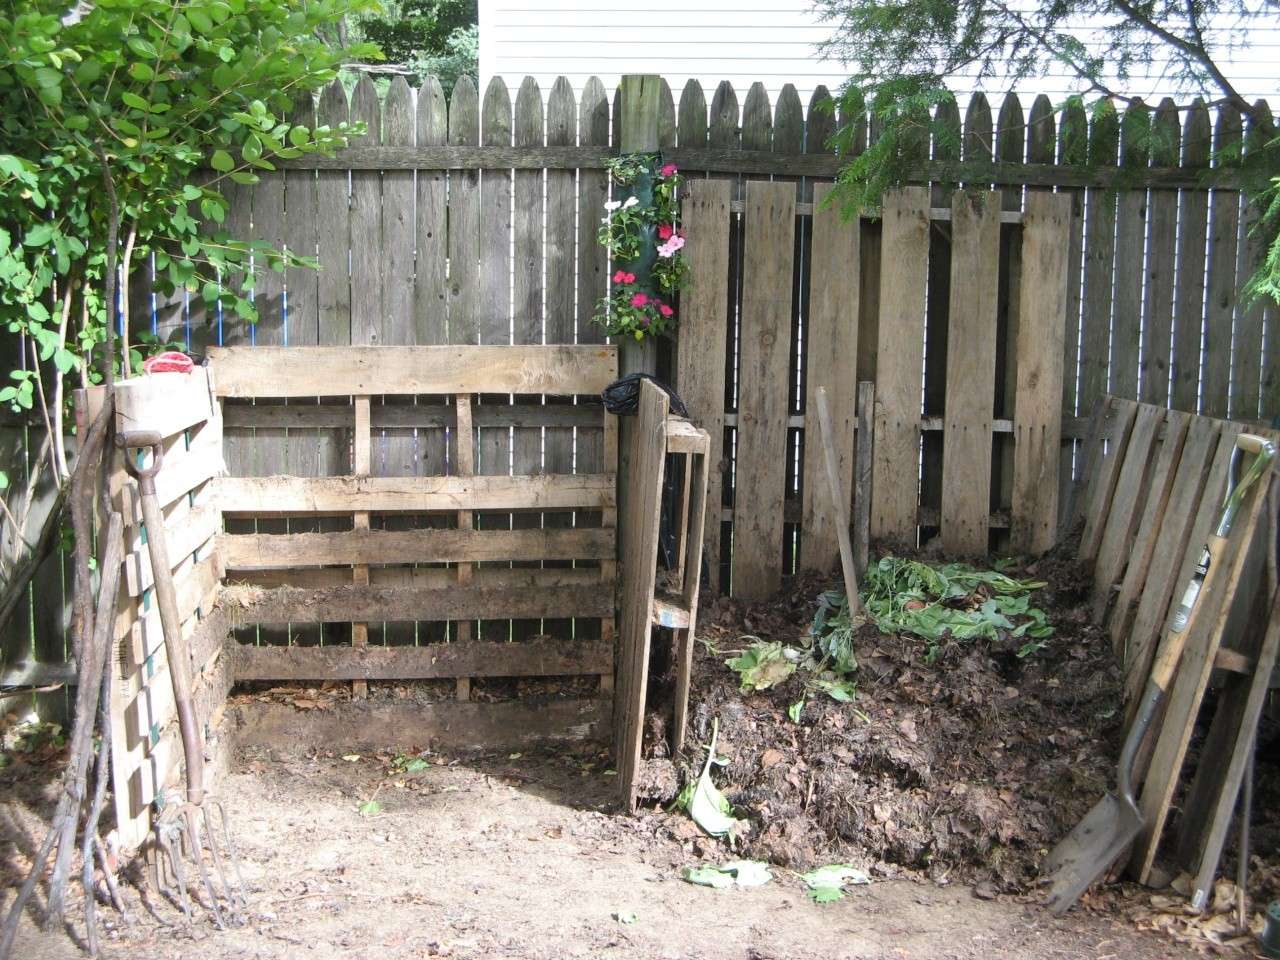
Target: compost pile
(962,761)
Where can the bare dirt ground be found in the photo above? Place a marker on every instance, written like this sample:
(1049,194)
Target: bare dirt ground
(515,857)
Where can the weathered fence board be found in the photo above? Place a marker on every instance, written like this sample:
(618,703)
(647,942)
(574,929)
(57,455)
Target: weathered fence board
(971,368)
(769,245)
(904,258)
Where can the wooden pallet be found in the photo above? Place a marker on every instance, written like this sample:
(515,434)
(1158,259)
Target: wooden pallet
(658,437)
(472,380)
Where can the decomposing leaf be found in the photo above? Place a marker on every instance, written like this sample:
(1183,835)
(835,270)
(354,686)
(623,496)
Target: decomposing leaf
(708,806)
(763,665)
(742,873)
(351,757)
(825,884)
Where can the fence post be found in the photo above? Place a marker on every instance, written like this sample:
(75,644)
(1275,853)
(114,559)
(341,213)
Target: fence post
(639,134)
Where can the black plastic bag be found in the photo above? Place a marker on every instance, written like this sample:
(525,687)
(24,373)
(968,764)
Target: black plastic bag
(622,397)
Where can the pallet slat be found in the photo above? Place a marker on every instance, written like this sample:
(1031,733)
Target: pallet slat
(344,495)
(562,370)
(536,658)
(283,551)
(356,603)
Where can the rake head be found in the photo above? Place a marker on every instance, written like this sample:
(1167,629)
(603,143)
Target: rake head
(193,840)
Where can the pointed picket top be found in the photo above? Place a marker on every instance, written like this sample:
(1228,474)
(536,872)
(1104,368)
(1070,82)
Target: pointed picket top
(1197,136)
(757,119)
(947,136)
(528,126)
(334,108)
(464,114)
(1040,131)
(666,116)
(1010,131)
(593,114)
(561,114)
(433,113)
(1227,137)
(692,127)
(1135,135)
(365,108)
(1104,134)
(977,129)
(1166,134)
(398,115)
(788,122)
(1073,135)
(615,135)
(860,134)
(495,115)
(724,116)
(819,122)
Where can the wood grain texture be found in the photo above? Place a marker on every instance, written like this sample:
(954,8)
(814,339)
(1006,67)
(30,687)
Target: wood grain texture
(343,495)
(1183,705)
(1221,282)
(464,219)
(1043,297)
(831,344)
(1103,473)
(366,371)
(1161,244)
(1132,485)
(1131,230)
(639,551)
(370,603)
(904,258)
(769,248)
(971,371)
(1200,459)
(285,551)
(700,372)
(537,658)
(1193,228)
(1164,473)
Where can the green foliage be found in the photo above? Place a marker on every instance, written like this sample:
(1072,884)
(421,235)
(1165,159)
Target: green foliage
(902,55)
(644,240)
(826,884)
(954,599)
(762,665)
(428,37)
(150,90)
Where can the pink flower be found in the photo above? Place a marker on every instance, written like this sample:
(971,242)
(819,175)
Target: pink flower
(620,276)
(629,278)
(639,299)
(665,310)
(665,230)
(669,248)
(668,170)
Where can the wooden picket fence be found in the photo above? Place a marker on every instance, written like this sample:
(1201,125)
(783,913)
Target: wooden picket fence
(472,220)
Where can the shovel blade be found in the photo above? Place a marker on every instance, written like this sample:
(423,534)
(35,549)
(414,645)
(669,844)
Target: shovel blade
(1088,851)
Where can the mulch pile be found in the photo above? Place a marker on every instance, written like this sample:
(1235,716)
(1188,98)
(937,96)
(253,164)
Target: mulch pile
(966,768)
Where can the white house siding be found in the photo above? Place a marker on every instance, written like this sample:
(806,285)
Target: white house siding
(772,41)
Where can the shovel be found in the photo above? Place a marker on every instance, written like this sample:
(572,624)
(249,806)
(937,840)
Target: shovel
(1087,852)
(184,831)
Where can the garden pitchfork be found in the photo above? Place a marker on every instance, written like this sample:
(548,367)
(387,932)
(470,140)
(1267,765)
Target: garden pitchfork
(183,830)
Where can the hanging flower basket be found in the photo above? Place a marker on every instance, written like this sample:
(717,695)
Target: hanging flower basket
(645,243)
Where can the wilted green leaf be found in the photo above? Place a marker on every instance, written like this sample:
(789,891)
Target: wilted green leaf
(825,884)
(370,808)
(763,665)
